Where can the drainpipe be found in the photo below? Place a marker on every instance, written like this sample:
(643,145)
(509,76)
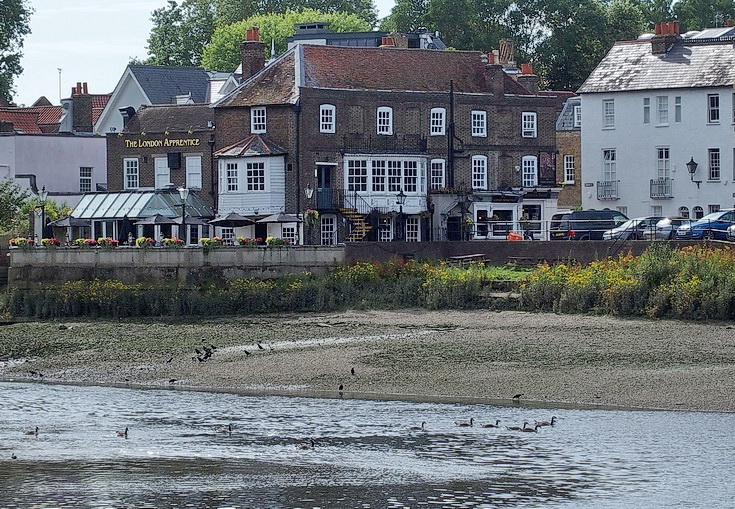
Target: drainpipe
(297,161)
(450,138)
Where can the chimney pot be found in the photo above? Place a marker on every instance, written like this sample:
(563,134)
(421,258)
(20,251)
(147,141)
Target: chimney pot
(79,87)
(253,34)
(491,57)
(84,88)
(526,69)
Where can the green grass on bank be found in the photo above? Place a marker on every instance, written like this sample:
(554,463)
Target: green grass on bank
(362,286)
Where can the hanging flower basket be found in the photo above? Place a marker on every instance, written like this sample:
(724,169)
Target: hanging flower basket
(311,216)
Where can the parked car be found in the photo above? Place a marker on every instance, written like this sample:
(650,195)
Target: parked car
(665,229)
(731,233)
(584,224)
(711,226)
(632,229)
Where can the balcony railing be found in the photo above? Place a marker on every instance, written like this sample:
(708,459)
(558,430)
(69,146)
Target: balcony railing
(395,144)
(335,199)
(661,188)
(607,190)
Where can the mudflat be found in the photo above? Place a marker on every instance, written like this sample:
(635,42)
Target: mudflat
(483,355)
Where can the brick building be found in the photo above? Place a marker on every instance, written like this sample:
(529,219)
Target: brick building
(359,129)
(569,157)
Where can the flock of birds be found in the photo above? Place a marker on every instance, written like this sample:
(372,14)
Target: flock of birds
(466,424)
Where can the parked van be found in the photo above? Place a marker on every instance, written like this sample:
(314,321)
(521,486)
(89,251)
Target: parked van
(584,224)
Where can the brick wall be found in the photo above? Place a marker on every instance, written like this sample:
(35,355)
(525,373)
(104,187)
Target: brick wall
(569,143)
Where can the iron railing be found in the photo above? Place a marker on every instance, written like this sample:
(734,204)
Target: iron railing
(607,190)
(661,188)
(335,199)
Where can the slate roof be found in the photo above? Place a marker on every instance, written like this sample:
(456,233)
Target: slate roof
(253,145)
(364,69)
(689,63)
(565,121)
(171,117)
(162,84)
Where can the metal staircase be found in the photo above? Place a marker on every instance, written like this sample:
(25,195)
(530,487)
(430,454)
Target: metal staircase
(360,225)
(360,214)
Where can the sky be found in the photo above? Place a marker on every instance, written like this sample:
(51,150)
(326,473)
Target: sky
(89,40)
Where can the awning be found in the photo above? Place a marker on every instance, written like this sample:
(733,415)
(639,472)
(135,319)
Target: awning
(138,205)
(67,222)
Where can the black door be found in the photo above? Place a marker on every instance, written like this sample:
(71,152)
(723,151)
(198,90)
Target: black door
(261,231)
(324,187)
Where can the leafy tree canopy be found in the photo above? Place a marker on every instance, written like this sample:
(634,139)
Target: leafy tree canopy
(14,26)
(12,200)
(223,53)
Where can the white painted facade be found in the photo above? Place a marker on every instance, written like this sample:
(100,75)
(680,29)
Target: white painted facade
(56,161)
(244,191)
(127,93)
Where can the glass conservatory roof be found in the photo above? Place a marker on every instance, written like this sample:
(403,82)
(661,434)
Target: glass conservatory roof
(138,205)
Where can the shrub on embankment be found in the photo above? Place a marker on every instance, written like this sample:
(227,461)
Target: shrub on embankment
(363,285)
(696,282)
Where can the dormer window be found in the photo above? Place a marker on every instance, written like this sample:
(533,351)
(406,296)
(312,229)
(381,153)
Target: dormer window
(327,116)
(257,120)
(385,120)
(437,121)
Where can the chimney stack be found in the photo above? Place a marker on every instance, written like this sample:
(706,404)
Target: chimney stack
(666,34)
(252,53)
(527,78)
(495,79)
(81,109)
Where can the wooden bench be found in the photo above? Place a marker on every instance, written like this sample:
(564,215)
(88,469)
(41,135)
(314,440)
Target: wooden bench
(466,259)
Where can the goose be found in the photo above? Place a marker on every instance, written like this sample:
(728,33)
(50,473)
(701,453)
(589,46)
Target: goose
(491,425)
(228,429)
(517,397)
(465,424)
(547,423)
(517,428)
(31,431)
(530,430)
(123,433)
(418,428)
(13,457)
(306,447)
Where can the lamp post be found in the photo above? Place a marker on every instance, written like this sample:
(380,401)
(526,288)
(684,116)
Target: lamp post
(462,200)
(692,168)
(43,195)
(308,192)
(184,194)
(401,200)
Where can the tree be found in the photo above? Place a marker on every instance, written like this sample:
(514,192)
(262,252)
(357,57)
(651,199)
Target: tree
(180,32)
(14,26)
(700,14)
(406,16)
(232,11)
(12,200)
(223,53)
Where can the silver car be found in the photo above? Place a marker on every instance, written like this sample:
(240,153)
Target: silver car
(665,229)
(632,229)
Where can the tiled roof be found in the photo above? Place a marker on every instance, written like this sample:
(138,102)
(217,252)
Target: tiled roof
(99,101)
(23,121)
(159,118)
(163,83)
(253,145)
(276,84)
(688,64)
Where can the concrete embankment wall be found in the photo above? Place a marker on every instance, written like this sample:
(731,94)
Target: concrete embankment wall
(29,268)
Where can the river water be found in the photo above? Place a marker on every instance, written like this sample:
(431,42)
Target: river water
(364,454)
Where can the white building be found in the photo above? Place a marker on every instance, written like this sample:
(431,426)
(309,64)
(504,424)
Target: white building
(649,108)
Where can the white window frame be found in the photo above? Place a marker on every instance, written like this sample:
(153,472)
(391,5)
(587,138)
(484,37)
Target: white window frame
(578,115)
(646,110)
(132,172)
(698,212)
(328,230)
(608,113)
(663,162)
(609,164)
(385,231)
(479,172)
(713,108)
(232,177)
(570,169)
(529,128)
(357,175)
(85,179)
(437,174)
(289,233)
(378,175)
(714,158)
(478,120)
(529,171)
(413,229)
(258,120)
(684,212)
(162,172)
(327,118)
(384,120)
(437,121)
(662,109)
(256,177)
(193,172)
(677,109)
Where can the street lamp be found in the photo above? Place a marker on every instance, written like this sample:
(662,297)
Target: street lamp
(462,201)
(43,195)
(692,168)
(401,200)
(184,194)
(309,191)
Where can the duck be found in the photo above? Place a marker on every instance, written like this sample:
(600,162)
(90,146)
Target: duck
(530,430)
(465,424)
(228,429)
(123,433)
(13,457)
(305,446)
(31,431)
(418,428)
(547,423)
(491,425)
(517,428)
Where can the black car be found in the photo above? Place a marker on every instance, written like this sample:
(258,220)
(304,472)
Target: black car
(584,224)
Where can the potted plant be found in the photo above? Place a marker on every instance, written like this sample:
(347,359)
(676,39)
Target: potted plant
(275,242)
(21,243)
(51,243)
(145,242)
(107,242)
(81,242)
(247,242)
(173,242)
(212,242)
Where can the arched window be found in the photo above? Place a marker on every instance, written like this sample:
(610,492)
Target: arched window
(529,165)
(684,212)
(698,212)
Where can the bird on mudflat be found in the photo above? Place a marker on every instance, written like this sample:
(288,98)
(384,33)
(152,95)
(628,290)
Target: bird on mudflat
(13,457)
(517,397)
(260,347)
(341,387)
(352,371)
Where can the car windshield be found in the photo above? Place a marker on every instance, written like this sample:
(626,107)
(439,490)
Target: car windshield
(712,216)
(630,223)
